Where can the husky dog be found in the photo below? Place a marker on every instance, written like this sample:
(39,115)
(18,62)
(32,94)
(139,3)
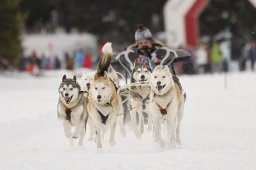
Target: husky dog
(86,81)
(72,109)
(140,96)
(105,105)
(167,104)
(87,78)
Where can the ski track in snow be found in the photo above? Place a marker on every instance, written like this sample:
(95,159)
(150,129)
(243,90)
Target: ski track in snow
(218,129)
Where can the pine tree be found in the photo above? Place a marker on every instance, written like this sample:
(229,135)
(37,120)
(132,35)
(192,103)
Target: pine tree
(11,24)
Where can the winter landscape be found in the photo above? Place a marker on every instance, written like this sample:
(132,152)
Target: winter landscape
(218,128)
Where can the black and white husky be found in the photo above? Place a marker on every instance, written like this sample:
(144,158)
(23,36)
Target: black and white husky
(139,98)
(72,109)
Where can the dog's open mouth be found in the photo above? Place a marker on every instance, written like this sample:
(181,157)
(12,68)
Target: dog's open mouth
(143,81)
(159,88)
(68,99)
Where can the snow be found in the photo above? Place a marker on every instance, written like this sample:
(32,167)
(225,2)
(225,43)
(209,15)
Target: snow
(218,128)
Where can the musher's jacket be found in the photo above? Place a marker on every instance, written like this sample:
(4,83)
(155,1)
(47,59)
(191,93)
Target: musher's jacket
(158,55)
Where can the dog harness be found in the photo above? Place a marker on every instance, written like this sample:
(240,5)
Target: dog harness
(103,117)
(163,109)
(68,110)
(144,100)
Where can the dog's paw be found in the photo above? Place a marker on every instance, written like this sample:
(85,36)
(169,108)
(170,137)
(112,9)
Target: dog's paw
(172,144)
(67,134)
(123,132)
(138,135)
(141,129)
(71,142)
(74,137)
(178,142)
(80,142)
(149,128)
(161,143)
(99,150)
(90,138)
(112,142)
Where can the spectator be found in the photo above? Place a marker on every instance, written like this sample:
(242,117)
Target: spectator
(69,61)
(252,54)
(88,63)
(79,57)
(201,59)
(216,57)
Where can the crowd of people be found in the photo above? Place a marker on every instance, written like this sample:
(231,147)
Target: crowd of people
(206,58)
(216,57)
(35,62)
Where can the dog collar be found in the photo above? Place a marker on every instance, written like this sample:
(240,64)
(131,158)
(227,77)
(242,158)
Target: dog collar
(162,109)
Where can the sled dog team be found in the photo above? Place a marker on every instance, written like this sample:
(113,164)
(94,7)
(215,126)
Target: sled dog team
(96,100)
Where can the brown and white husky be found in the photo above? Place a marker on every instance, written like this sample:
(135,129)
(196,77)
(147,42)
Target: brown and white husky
(105,105)
(167,104)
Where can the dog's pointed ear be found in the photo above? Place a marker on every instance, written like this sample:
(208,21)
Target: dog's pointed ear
(74,78)
(95,77)
(148,63)
(166,68)
(110,70)
(106,76)
(64,78)
(137,61)
(157,68)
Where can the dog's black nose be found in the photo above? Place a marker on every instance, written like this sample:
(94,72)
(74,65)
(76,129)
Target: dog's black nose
(142,77)
(66,94)
(158,83)
(88,84)
(99,97)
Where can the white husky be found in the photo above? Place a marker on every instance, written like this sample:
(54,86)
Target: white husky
(86,80)
(105,105)
(167,104)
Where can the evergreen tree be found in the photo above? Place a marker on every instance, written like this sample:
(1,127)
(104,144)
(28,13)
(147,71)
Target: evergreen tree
(11,23)
(236,15)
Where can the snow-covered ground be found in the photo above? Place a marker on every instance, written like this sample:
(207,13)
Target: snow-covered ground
(218,130)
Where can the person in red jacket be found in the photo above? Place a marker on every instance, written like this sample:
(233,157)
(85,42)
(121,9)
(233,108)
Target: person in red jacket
(87,63)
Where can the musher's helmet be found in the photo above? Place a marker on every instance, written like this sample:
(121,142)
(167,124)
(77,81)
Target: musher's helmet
(142,33)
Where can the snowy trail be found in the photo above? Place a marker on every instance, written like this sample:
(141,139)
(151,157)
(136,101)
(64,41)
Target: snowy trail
(218,129)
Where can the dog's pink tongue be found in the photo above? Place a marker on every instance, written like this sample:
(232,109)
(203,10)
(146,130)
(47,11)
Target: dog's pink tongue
(66,99)
(159,88)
